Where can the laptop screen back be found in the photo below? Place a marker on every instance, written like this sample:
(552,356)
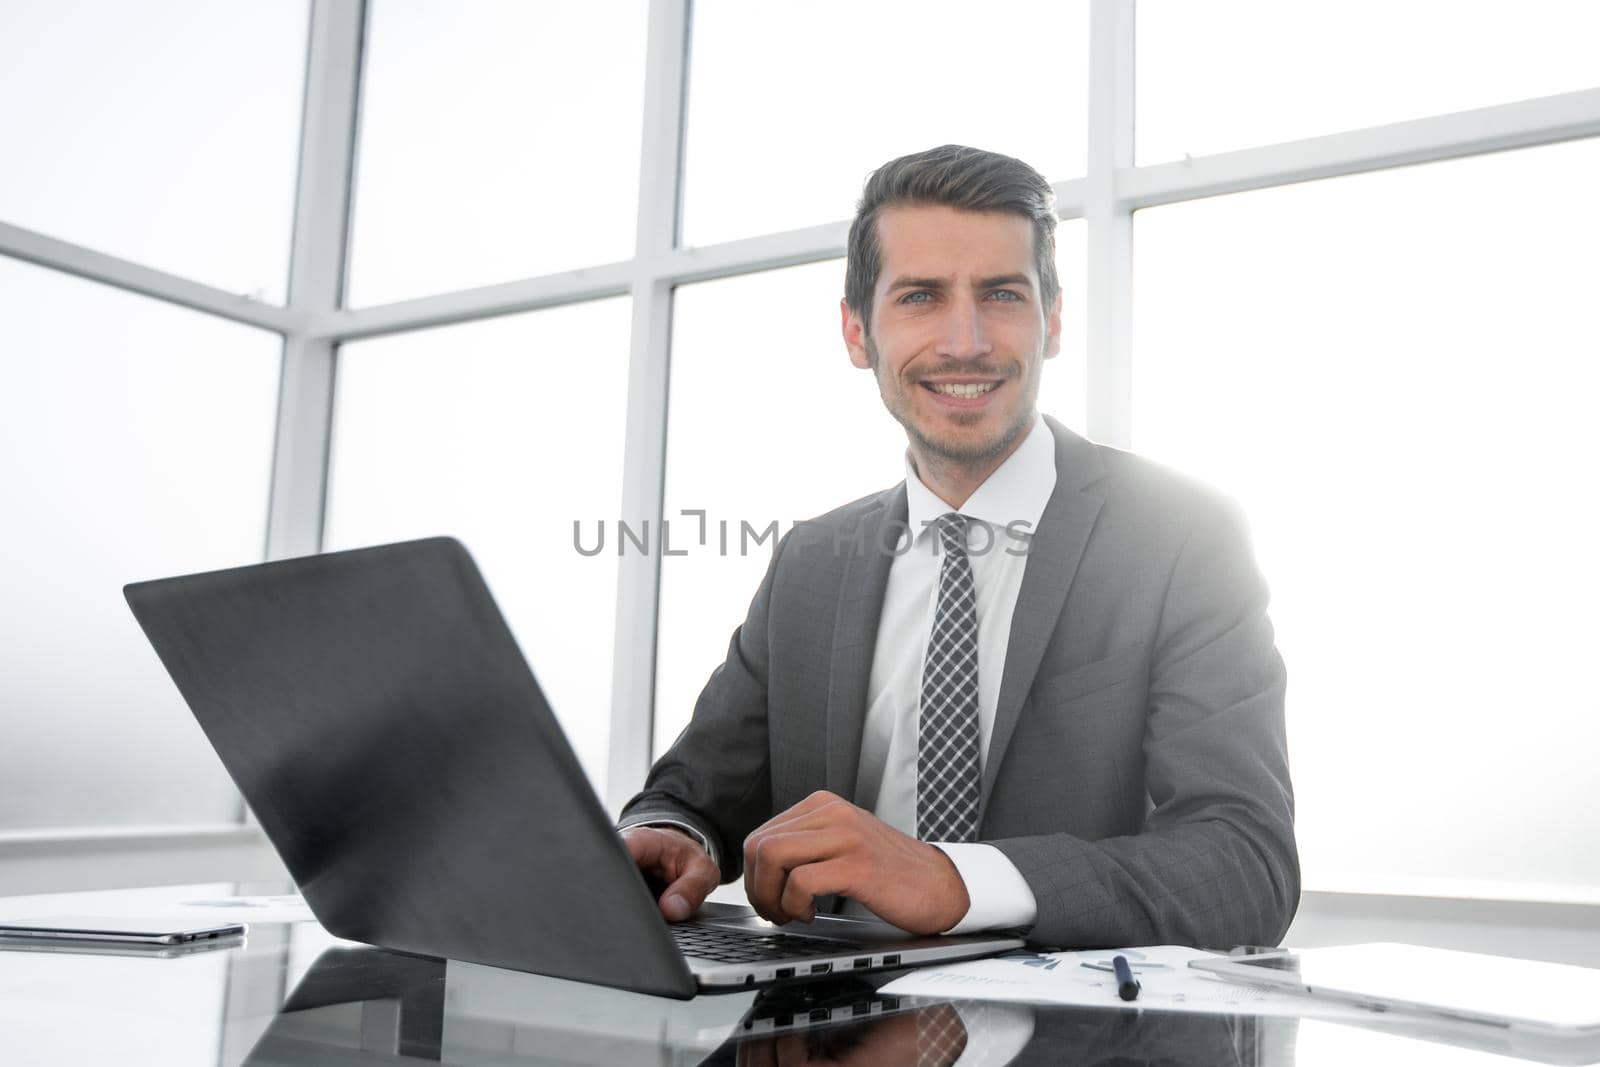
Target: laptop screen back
(376,713)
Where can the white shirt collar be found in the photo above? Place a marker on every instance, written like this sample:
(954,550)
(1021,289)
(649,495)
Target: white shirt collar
(1016,492)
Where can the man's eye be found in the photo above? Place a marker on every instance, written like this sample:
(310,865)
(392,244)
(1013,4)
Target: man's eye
(921,296)
(1006,295)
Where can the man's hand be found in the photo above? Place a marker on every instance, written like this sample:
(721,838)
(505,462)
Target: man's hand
(676,859)
(934,1036)
(825,844)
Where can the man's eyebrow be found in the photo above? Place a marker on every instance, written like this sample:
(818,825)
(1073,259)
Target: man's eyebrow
(983,283)
(1006,279)
(917,283)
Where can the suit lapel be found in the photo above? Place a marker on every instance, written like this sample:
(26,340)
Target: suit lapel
(855,635)
(1053,558)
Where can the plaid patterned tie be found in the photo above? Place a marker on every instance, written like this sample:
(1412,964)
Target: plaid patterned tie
(947,742)
(941,1036)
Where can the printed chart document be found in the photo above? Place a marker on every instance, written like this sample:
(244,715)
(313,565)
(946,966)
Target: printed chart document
(1166,984)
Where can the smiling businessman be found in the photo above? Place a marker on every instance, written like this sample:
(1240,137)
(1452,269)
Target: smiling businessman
(1033,686)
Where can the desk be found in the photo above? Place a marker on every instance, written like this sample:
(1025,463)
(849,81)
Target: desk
(291,994)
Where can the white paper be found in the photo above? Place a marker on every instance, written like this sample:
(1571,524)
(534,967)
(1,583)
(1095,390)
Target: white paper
(278,909)
(1166,984)
(208,903)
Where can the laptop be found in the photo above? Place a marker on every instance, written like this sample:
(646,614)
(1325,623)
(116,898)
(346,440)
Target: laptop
(377,715)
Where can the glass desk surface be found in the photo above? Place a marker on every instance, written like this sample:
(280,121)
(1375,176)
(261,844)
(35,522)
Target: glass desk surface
(292,994)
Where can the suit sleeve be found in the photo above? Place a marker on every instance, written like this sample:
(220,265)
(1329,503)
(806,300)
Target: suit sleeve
(716,778)
(1215,864)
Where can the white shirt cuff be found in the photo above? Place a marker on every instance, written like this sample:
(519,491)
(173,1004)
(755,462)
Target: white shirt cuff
(667,820)
(998,895)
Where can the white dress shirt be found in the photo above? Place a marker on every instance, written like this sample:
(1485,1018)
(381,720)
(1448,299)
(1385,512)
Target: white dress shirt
(1007,508)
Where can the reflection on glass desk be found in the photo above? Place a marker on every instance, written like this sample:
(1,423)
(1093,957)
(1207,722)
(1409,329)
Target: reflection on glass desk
(291,994)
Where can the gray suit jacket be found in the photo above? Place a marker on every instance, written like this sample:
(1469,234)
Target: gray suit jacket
(1137,774)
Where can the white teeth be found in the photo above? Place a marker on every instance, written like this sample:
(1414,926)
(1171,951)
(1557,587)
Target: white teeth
(963,390)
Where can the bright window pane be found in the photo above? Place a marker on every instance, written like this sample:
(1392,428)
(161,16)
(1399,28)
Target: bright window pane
(812,433)
(1230,74)
(1397,381)
(1062,392)
(488,433)
(135,443)
(791,105)
(499,140)
(164,133)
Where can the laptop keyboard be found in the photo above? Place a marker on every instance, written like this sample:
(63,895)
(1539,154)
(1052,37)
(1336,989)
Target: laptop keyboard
(739,946)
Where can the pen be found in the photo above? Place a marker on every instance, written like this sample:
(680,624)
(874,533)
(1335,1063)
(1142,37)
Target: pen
(1127,984)
(1136,966)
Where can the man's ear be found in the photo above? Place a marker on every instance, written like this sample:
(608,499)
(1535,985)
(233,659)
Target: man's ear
(854,329)
(1052,328)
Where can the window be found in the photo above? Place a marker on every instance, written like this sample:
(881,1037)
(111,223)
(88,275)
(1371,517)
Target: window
(765,425)
(790,106)
(1416,339)
(499,140)
(136,443)
(1397,385)
(473,431)
(162,133)
(1218,76)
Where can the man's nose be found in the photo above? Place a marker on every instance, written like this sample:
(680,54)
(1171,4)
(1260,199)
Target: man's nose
(964,335)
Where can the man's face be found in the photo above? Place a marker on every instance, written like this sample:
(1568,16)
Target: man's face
(957,335)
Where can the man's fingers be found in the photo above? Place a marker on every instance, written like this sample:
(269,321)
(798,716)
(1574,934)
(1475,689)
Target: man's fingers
(689,890)
(678,860)
(805,816)
(836,814)
(810,881)
(753,1053)
(769,860)
(651,846)
(815,829)
(818,800)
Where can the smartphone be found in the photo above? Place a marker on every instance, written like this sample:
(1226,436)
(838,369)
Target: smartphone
(120,929)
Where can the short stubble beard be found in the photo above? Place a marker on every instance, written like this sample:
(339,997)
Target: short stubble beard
(935,451)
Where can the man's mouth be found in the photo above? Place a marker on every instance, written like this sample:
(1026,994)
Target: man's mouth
(963,390)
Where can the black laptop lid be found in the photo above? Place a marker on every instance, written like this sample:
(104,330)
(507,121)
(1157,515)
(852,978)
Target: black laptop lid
(377,715)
